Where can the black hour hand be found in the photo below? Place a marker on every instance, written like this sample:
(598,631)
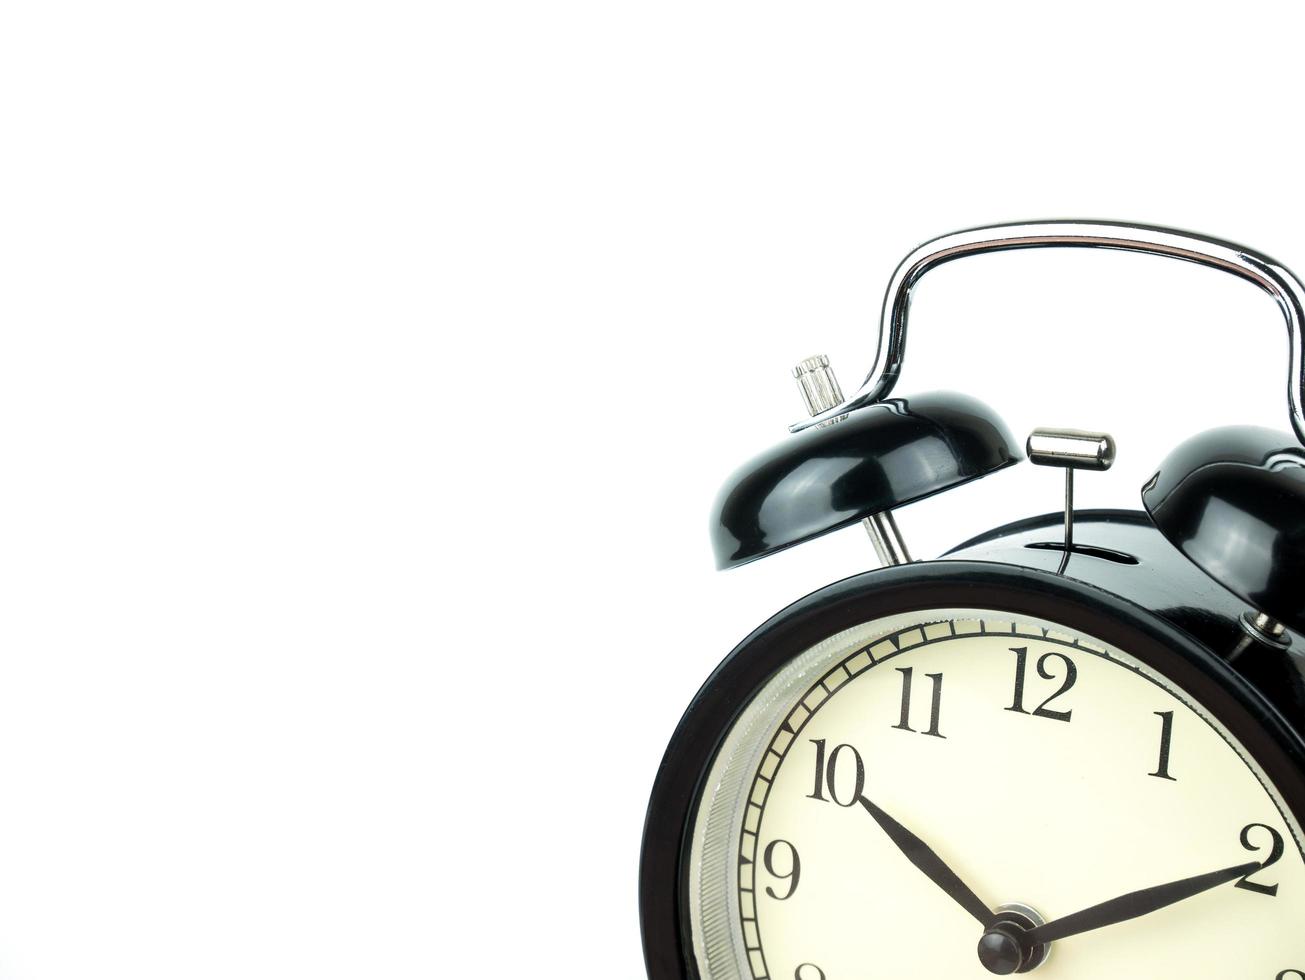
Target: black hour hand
(935,868)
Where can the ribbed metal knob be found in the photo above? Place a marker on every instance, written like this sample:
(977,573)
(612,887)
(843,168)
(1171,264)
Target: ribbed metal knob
(819,387)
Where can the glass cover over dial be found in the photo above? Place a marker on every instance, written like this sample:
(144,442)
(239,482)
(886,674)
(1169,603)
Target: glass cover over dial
(961,793)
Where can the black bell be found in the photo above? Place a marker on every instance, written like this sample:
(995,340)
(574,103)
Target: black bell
(875,459)
(1233,501)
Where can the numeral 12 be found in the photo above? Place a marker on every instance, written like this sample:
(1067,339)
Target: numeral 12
(1044,671)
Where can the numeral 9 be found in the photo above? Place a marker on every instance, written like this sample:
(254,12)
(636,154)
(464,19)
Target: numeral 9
(792,876)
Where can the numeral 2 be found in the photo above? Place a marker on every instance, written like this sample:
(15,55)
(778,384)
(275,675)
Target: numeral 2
(935,711)
(1021,668)
(1275,852)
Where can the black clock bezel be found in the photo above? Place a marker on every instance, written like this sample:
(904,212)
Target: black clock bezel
(1276,746)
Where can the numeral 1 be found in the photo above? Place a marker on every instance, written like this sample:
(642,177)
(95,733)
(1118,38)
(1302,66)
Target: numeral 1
(1166,738)
(936,710)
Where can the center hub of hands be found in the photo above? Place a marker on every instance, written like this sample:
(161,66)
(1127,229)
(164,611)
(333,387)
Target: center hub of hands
(1004,947)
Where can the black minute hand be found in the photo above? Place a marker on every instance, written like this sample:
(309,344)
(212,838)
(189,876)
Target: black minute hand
(1134,904)
(923,857)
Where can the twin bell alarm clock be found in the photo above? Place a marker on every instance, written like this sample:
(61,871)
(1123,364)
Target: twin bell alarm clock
(1072,746)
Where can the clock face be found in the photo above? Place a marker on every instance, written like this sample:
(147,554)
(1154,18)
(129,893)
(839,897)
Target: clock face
(899,781)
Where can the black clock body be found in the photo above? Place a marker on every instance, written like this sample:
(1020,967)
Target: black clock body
(1201,589)
(1124,584)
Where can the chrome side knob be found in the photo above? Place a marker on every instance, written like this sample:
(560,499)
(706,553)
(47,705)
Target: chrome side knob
(819,387)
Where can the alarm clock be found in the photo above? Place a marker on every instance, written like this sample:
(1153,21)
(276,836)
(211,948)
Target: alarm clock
(1072,746)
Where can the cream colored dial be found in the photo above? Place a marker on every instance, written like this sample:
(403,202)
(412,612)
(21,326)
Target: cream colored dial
(1043,767)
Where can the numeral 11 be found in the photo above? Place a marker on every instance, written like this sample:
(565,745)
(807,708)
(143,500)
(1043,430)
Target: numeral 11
(936,710)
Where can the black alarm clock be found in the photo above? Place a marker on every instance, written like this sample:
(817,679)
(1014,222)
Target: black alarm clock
(1072,746)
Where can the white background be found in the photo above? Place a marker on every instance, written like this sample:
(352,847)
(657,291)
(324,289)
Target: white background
(367,372)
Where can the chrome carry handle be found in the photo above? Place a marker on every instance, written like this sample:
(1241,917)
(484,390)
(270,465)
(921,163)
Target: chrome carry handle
(1275,279)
